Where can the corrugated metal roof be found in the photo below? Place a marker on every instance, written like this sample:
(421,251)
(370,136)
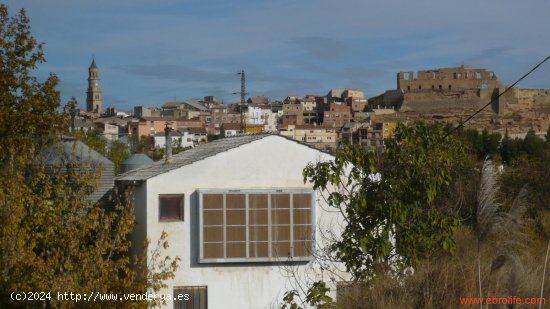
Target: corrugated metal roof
(74,150)
(87,161)
(190,156)
(138,158)
(136,161)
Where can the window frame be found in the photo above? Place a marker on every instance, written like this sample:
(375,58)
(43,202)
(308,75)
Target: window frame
(181,290)
(270,258)
(182,208)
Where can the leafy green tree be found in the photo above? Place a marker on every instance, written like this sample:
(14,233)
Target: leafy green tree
(93,139)
(533,146)
(316,296)
(508,149)
(28,117)
(474,140)
(490,142)
(52,237)
(70,110)
(482,144)
(389,199)
(177,146)
(118,153)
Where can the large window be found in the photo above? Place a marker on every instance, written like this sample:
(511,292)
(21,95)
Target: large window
(256,225)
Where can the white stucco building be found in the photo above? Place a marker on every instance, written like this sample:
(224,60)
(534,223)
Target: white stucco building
(261,115)
(239,216)
(178,136)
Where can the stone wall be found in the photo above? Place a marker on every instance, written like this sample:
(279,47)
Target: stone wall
(444,101)
(447,79)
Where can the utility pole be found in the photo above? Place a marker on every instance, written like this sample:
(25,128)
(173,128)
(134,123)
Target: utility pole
(243,87)
(243,96)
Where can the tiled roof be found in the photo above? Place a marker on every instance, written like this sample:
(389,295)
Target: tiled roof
(197,130)
(174,133)
(190,156)
(231,126)
(158,119)
(197,106)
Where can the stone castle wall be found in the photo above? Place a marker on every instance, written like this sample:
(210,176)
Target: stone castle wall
(447,79)
(444,101)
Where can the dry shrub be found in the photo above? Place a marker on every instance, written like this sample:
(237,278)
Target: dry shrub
(441,280)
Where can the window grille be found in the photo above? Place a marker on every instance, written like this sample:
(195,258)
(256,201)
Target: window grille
(255,225)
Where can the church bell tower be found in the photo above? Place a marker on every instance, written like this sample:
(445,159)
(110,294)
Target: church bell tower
(93,98)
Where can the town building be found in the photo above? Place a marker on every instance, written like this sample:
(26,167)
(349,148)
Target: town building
(200,135)
(254,115)
(321,137)
(337,115)
(231,129)
(149,126)
(371,135)
(236,222)
(357,105)
(270,118)
(218,115)
(112,127)
(292,113)
(140,111)
(261,115)
(183,109)
(180,137)
(342,94)
(310,111)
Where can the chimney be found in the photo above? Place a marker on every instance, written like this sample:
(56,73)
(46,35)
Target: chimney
(168,144)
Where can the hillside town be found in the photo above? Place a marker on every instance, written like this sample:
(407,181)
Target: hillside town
(444,96)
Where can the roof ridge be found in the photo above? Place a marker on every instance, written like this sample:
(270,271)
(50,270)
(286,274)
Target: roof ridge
(190,156)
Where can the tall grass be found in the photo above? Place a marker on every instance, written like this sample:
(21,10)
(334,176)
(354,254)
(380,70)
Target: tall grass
(498,255)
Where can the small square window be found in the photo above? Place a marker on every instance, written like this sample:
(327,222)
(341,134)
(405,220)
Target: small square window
(171,207)
(191,297)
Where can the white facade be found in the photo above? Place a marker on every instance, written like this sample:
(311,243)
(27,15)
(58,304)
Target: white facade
(111,132)
(269,163)
(309,105)
(271,120)
(185,137)
(231,132)
(254,115)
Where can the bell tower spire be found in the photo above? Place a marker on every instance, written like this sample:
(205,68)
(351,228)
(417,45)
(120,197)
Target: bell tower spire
(94,101)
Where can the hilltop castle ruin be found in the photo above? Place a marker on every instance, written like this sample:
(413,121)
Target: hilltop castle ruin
(451,94)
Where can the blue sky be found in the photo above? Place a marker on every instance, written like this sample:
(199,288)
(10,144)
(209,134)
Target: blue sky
(150,52)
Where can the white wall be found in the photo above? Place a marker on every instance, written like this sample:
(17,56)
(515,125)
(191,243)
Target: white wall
(272,162)
(230,132)
(186,140)
(253,115)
